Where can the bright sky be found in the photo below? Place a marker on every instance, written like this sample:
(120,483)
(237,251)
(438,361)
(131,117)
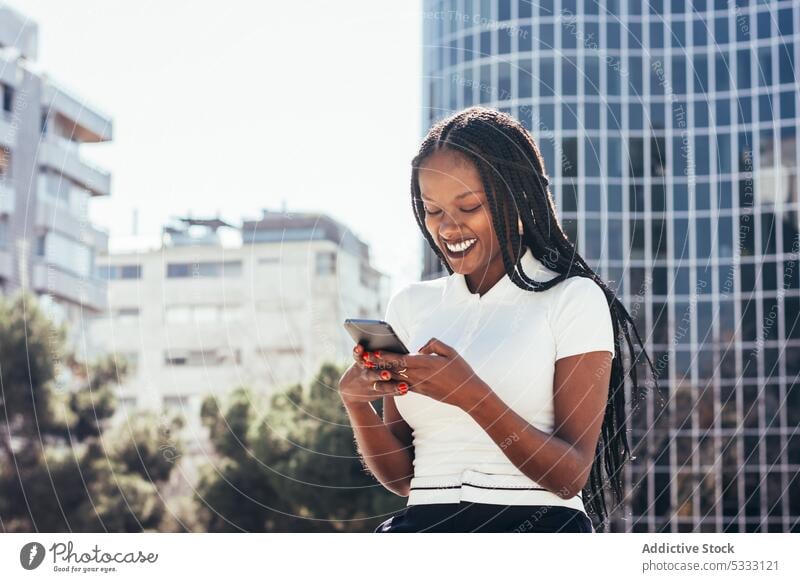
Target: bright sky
(235,106)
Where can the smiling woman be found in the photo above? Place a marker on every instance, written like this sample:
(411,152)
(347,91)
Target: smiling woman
(509,412)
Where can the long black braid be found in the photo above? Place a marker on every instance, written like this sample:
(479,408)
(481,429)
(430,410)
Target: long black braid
(512,172)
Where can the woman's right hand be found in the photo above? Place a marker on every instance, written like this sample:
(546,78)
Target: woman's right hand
(365,381)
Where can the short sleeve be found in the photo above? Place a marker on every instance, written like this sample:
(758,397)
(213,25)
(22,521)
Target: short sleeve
(397,315)
(581,319)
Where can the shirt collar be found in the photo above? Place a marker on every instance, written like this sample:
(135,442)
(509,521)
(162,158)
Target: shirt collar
(504,291)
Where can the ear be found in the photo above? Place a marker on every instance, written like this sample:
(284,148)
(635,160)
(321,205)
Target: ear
(435,346)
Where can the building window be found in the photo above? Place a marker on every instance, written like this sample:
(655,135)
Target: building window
(110,272)
(126,315)
(3,231)
(206,269)
(68,254)
(8,98)
(175,359)
(130,271)
(636,152)
(209,357)
(5,162)
(569,156)
(326,263)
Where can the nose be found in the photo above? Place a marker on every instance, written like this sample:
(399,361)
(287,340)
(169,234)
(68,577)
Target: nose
(449,228)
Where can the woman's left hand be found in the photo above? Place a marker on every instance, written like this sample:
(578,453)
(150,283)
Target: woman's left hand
(437,371)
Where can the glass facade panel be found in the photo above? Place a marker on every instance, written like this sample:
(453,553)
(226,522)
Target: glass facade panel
(671,143)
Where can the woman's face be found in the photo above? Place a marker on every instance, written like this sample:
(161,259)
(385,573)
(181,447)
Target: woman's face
(457,212)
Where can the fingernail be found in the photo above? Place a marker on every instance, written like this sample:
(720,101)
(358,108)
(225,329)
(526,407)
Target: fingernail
(358,349)
(377,353)
(402,386)
(370,364)
(385,375)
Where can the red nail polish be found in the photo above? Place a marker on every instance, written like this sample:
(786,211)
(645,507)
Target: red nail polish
(402,386)
(370,364)
(377,353)
(385,375)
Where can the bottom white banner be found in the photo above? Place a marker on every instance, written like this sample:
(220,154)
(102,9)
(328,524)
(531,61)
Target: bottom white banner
(240,556)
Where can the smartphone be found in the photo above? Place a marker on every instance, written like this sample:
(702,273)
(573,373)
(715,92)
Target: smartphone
(375,334)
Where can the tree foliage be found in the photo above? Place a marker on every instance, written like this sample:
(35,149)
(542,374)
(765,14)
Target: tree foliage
(291,467)
(60,468)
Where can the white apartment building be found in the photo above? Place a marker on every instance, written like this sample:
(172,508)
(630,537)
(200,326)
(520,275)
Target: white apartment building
(47,243)
(204,314)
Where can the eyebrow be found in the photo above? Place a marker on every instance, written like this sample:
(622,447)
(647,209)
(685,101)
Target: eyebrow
(457,197)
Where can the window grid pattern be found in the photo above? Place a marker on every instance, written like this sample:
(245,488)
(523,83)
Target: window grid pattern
(669,130)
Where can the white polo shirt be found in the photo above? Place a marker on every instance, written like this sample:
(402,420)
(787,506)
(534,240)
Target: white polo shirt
(511,338)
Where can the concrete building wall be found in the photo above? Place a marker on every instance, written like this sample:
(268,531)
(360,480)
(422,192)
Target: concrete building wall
(266,324)
(47,242)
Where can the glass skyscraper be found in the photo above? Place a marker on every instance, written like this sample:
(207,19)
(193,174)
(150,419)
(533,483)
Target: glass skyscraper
(669,130)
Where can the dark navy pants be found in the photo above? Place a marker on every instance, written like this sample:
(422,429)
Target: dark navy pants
(483,517)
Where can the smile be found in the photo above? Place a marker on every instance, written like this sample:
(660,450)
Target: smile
(462,246)
(460,249)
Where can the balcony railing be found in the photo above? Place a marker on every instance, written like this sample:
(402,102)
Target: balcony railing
(65,158)
(87,291)
(7,197)
(87,123)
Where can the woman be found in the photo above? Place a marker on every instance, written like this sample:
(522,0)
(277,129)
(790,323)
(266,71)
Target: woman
(512,398)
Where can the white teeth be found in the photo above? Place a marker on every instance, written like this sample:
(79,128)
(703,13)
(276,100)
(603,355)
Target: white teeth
(462,246)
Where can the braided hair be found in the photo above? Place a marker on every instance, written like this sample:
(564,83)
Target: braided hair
(512,173)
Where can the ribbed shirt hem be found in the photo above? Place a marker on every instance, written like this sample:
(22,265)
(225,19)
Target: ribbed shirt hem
(477,487)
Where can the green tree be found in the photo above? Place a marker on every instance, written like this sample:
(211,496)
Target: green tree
(292,468)
(59,469)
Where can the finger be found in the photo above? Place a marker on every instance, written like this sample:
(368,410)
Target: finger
(386,359)
(375,375)
(386,378)
(395,376)
(360,356)
(438,347)
(396,388)
(366,364)
(365,359)
(387,387)
(403,387)
(368,357)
